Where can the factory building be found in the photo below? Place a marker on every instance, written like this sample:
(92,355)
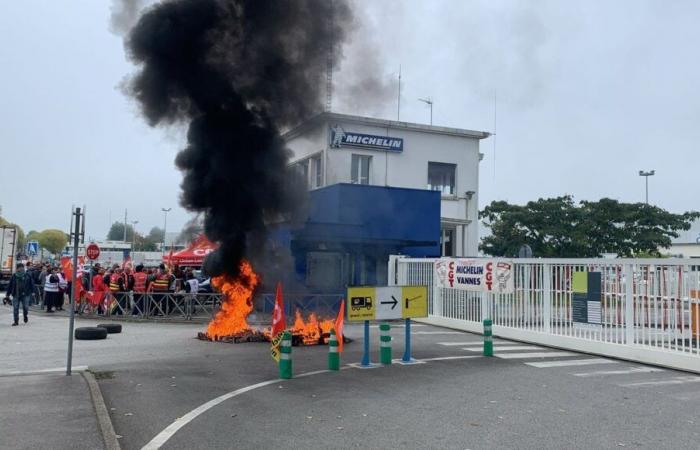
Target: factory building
(381,187)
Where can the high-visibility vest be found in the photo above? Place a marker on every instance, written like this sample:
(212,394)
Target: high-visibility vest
(162,282)
(49,286)
(114,282)
(140,282)
(194,285)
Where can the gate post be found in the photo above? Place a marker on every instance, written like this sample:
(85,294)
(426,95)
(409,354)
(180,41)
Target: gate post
(547,297)
(629,304)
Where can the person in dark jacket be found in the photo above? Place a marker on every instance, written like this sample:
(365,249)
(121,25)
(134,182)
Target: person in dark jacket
(21,288)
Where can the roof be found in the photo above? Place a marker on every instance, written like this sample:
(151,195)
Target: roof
(391,124)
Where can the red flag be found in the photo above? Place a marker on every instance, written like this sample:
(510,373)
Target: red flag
(278,322)
(339,321)
(127,263)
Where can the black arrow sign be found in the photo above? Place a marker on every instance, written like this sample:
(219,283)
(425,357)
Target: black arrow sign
(392,303)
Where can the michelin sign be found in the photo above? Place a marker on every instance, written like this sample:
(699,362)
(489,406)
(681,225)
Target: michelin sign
(341,138)
(480,275)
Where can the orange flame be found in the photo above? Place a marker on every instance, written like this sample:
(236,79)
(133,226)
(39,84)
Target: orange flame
(238,302)
(310,330)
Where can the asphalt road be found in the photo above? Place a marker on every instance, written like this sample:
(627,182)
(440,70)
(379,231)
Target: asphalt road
(526,397)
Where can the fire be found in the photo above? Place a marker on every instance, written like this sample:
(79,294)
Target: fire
(311,330)
(237,305)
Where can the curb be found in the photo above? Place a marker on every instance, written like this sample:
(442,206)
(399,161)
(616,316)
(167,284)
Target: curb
(107,429)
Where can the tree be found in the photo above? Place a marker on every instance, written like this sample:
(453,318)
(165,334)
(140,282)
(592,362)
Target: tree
(557,227)
(156,235)
(53,240)
(116,232)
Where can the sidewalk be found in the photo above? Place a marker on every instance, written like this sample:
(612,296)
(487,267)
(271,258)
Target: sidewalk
(47,411)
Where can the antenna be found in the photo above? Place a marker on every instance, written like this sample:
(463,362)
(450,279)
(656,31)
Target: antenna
(428,101)
(398,107)
(494,136)
(329,62)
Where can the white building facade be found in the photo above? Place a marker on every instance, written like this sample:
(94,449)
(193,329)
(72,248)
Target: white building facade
(335,148)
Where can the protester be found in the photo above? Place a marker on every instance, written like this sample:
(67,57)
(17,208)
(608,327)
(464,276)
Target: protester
(40,281)
(62,288)
(117,287)
(140,286)
(161,288)
(21,288)
(52,290)
(99,290)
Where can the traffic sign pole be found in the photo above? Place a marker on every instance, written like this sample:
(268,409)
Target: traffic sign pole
(407,343)
(385,343)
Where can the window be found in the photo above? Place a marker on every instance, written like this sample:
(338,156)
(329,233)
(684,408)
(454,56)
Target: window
(441,177)
(359,171)
(447,241)
(302,168)
(317,180)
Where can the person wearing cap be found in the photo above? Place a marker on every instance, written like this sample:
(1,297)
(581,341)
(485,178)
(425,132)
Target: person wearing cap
(21,288)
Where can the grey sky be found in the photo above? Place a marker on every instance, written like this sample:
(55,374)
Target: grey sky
(588,94)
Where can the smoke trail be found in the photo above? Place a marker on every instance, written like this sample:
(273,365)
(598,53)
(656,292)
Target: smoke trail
(235,71)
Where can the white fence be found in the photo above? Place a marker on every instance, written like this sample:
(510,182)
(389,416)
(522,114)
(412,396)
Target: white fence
(650,308)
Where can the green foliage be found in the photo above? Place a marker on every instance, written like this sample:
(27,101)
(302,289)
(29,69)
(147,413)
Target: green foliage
(557,227)
(53,241)
(116,232)
(155,235)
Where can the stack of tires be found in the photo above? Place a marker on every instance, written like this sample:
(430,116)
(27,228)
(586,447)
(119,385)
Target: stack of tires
(96,333)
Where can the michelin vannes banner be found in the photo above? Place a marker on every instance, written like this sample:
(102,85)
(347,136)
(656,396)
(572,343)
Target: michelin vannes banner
(478,275)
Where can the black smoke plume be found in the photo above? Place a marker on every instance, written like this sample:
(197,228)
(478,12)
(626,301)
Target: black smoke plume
(236,72)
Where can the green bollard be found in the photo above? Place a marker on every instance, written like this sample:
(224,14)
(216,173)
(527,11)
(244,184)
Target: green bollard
(488,337)
(333,355)
(286,356)
(385,343)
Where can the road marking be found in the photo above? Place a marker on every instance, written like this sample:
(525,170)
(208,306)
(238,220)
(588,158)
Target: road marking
(619,372)
(448,358)
(505,348)
(437,332)
(571,362)
(455,344)
(533,355)
(677,380)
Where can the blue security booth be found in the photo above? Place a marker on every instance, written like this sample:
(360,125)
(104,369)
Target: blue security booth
(352,229)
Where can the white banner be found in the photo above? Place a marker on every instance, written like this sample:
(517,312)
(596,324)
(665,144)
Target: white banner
(479,275)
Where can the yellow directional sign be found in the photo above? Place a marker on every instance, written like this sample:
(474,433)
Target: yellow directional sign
(387,302)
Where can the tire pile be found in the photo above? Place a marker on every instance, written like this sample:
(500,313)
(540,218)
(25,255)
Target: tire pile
(96,333)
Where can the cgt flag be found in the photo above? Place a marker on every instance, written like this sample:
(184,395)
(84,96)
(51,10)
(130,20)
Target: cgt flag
(339,321)
(278,324)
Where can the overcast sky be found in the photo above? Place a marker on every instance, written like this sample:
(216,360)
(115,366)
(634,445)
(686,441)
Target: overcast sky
(588,93)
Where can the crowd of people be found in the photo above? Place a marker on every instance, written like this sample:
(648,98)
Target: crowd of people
(104,290)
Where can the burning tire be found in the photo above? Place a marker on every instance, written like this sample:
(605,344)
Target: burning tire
(111,327)
(90,333)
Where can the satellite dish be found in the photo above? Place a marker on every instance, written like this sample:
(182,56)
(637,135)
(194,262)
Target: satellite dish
(525,251)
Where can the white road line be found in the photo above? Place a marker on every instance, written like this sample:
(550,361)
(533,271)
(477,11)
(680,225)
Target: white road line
(533,355)
(448,358)
(505,348)
(43,371)
(455,344)
(619,372)
(676,380)
(571,362)
(437,332)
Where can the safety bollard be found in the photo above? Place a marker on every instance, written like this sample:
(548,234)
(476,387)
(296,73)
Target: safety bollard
(286,356)
(385,343)
(333,355)
(488,337)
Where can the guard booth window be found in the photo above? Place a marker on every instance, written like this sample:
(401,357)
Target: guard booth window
(359,170)
(441,177)
(317,178)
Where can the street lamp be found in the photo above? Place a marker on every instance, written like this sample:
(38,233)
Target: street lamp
(646,176)
(428,101)
(133,234)
(165,225)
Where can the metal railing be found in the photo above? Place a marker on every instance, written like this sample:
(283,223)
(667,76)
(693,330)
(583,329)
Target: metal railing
(153,305)
(650,308)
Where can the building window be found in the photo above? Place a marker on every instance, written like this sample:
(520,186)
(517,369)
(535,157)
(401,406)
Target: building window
(359,171)
(447,241)
(441,177)
(317,180)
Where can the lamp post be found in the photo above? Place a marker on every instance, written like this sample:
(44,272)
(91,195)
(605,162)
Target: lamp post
(165,225)
(646,176)
(133,234)
(428,101)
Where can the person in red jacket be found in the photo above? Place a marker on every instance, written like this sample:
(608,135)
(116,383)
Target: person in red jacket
(117,287)
(140,286)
